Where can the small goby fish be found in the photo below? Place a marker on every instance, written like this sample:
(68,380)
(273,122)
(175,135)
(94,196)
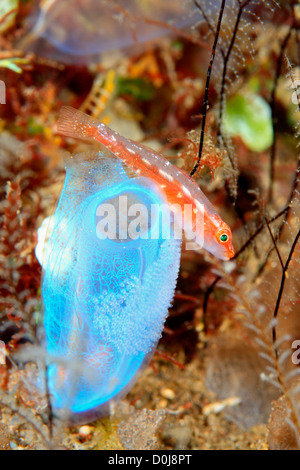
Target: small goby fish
(177,187)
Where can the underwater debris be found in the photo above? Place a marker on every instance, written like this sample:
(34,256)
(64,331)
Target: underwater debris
(13,63)
(139,431)
(8,12)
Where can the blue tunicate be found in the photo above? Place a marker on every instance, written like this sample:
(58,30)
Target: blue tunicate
(105,300)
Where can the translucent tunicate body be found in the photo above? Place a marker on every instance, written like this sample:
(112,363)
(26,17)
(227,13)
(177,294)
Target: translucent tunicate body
(105,300)
(76,31)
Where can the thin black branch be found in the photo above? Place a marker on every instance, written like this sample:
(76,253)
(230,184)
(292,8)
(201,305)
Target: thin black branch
(257,232)
(198,5)
(274,243)
(281,288)
(210,26)
(205,103)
